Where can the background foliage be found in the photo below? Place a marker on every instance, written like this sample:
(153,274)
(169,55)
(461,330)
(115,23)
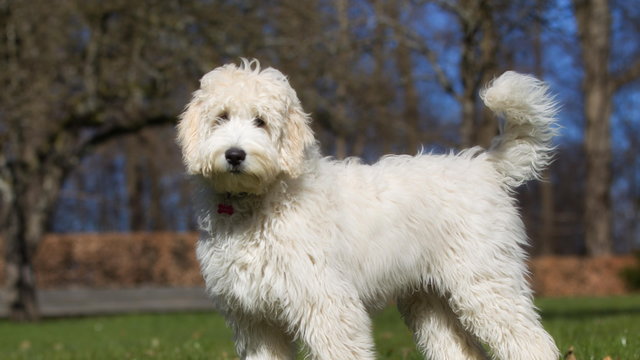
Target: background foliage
(91,91)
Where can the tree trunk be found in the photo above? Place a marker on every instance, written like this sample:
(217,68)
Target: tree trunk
(547,216)
(594,21)
(32,196)
(135,174)
(410,113)
(546,234)
(343,57)
(487,127)
(598,182)
(341,147)
(385,126)
(20,278)
(157,220)
(477,67)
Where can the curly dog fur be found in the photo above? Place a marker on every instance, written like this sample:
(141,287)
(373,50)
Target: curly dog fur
(297,247)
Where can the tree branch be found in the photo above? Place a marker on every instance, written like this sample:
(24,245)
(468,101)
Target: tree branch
(110,132)
(414,42)
(625,76)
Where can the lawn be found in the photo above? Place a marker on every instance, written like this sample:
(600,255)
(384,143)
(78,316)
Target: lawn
(595,327)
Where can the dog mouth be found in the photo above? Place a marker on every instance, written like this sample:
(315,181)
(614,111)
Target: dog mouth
(252,176)
(236,169)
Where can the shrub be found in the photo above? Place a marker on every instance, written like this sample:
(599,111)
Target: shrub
(631,275)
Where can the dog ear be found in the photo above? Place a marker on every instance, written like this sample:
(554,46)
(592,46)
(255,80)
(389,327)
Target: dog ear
(188,132)
(296,141)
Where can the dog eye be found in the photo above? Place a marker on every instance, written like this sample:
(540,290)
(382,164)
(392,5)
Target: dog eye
(224,116)
(259,122)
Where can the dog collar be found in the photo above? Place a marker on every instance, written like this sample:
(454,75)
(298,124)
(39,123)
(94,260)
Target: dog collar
(225,207)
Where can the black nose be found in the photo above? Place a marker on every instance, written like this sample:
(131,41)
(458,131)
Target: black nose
(235,156)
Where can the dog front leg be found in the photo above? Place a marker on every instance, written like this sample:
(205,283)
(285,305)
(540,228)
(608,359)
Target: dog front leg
(335,328)
(257,340)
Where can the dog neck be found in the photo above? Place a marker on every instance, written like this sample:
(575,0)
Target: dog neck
(227,200)
(243,204)
(230,208)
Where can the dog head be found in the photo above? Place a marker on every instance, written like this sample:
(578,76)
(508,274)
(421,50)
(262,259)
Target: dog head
(244,128)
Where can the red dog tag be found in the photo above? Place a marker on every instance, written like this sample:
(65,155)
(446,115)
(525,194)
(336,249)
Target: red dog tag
(225,209)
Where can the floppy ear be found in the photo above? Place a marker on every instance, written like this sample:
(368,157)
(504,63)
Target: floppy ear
(188,133)
(296,140)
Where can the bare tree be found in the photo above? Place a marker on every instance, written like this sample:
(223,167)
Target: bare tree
(410,113)
(547,199)
(343,60)
(478,66)
(76,75)
(382,114)
(479,49)
(599,84)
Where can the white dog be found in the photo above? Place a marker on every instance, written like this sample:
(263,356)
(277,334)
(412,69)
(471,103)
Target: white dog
(297,247)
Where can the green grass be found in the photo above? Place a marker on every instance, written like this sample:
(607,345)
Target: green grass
(595,327)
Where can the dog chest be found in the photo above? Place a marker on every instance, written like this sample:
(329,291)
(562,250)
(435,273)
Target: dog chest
(248,276)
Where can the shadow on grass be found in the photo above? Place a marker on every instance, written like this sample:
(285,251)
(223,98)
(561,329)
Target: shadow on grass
(582,313)
(582,308)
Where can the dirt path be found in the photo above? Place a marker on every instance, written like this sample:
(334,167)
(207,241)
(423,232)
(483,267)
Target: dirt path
(79,302)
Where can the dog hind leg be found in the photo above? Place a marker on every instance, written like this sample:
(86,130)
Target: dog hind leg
(437,331)
(503,318)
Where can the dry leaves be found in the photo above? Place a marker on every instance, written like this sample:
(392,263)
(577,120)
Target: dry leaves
(570,355)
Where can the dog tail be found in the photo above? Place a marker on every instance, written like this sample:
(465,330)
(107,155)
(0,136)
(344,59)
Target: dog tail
(524,147)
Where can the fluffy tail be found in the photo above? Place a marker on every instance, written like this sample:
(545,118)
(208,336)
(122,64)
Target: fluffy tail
(524,147)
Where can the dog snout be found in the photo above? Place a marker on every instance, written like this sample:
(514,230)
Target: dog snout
(235,156)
